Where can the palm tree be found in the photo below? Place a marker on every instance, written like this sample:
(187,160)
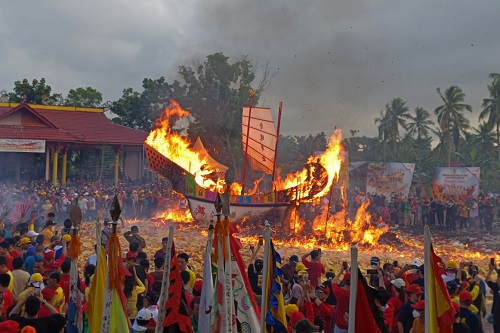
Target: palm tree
(420,124)
(441,148)
(383,131)
(483,138)
(451,119)
(492,109)
(396,113)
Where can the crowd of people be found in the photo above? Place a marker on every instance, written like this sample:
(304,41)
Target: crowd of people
(35,271)
(450,213)
(321,295)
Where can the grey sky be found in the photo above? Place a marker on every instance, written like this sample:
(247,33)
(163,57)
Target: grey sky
(338,62)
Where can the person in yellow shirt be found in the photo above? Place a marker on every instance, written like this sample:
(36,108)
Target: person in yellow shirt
(419,315)
(132,288)
(182,259)
(53,283)
(48,232)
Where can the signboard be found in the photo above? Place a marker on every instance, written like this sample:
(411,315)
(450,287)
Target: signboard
(389,178)
(460,183)
(22,146)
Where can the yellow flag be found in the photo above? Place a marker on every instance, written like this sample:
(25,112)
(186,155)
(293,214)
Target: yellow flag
(96,294)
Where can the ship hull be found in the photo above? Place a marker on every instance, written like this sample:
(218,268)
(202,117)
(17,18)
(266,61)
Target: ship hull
(204,210)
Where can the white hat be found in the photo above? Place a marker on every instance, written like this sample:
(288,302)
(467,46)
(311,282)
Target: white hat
(31,233)
(144,314)
(398,283)
(416,263)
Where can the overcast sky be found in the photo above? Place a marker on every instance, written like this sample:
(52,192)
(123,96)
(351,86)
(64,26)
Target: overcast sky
(338,61)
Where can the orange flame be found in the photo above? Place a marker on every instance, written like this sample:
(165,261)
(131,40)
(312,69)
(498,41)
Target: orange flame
(321,173)
(178,148)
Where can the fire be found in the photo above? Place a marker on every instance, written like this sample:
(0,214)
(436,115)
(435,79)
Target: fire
(176,214)
(320,173)
(178,148)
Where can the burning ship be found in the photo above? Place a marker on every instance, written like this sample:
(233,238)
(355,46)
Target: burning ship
(199,177)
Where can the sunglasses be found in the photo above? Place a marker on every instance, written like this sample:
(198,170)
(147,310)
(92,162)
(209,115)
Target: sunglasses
(319,291)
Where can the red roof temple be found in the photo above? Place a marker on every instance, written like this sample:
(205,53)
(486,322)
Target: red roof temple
(52,130)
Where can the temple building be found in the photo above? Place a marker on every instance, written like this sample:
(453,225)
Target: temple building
(32,132)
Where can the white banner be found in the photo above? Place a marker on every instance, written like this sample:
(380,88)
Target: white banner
(22,146)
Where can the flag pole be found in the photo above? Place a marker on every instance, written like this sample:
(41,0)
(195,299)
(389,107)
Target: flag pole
(252,92)
(353,289)
(276,146)
(427,273)
(165,283)
(206,299)
(265,272)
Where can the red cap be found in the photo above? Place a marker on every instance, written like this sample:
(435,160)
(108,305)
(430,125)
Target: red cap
(323,288)
(414,289)
(198,285)
(347,278)
(465,297)
(130,255)
(295,317)
(419,306)
(48,293)
(9,326)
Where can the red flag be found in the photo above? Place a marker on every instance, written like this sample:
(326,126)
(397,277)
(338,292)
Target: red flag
(176,306)
(369,317)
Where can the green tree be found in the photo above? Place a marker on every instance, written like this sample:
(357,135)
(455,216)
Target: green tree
(130,112)
(491,110)
(83,97)
(36,92)
(396,114)
(383,131)
(420,124)
(451,118)
(214,92)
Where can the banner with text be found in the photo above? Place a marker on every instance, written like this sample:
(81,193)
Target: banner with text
(22,146)
(460,183)
(389,178)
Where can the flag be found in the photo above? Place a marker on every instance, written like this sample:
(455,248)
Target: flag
(225,305)
(75,314)
(273,300)
(369,318)
(114,318)
(440,314)
(96,294)
(247,313)
(207,292)
(176,306)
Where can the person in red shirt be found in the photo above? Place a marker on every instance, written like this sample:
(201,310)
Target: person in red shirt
(52,264)
(397,301)
(342,296)
(415,265)
(150,279)
(315,267)
(4,251)
(6,295)
(64,282)
(387,308)
(314,303)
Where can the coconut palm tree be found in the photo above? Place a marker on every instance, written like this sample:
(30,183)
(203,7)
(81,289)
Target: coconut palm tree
(484,139)
(396,113)
(383,131)
(420,124)
(491,110)
(451,119)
